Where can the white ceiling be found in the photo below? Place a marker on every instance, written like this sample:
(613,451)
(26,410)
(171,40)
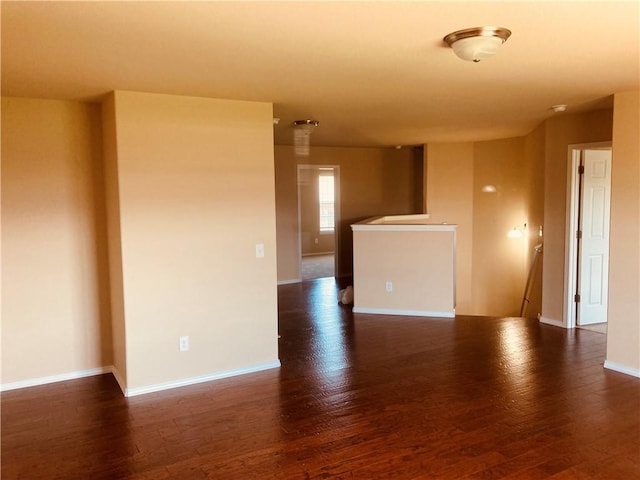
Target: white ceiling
(372,73)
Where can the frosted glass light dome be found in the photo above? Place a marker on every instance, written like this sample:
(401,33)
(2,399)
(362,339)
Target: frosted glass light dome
(475,44)
(475,49)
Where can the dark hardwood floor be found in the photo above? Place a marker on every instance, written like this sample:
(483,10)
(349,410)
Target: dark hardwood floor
(357,396)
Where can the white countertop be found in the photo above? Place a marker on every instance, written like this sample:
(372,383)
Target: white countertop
(417,222)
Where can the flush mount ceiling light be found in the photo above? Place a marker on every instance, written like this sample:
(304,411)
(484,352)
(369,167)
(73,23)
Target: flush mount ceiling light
(559,108)
(301,132)
(475,44)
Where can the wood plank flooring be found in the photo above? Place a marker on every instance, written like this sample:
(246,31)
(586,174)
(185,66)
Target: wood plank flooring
(357,396)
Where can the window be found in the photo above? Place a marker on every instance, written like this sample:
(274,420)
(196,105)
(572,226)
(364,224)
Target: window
(326,200)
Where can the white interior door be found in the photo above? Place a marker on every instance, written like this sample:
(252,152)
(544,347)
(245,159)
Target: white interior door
(594,250)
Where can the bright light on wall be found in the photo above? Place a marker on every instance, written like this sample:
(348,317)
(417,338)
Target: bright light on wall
(516,232)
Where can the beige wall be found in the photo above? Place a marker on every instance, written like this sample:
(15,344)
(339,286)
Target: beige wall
(491,268)
(623,335)
(373,181)
(534,149)
(55,307)
(449,194)
(560,132)
(499,261)
(419,265)
(112,201)
(530,175)
(195,179)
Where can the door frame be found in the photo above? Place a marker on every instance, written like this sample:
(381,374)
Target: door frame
(336,214)
(571,244)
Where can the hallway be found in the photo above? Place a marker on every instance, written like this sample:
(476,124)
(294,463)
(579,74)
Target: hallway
(317,266)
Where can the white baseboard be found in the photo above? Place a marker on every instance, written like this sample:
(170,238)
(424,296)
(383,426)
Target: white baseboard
(408,313)
(288,282)
(33,382)
(634,372)
(551,321)
(131,392)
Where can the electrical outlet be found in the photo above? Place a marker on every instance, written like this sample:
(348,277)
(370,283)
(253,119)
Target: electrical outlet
(389,286)
(184,344)
(259,250)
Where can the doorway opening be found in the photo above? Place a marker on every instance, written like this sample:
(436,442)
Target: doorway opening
(587,268)
(318,220)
